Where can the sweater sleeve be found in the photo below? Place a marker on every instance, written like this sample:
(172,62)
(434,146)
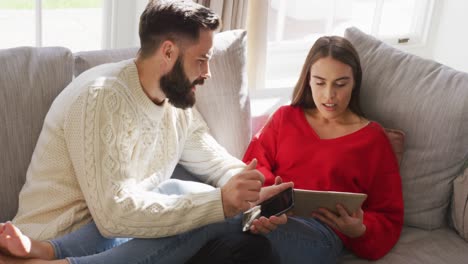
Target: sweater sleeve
(203,156)
(383,209)
(263,148)
(101,131)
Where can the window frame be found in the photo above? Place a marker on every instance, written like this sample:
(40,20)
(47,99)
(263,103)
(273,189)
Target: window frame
(291,49)
(119,23)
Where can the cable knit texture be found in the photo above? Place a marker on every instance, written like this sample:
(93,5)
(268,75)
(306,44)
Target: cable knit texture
(105,147)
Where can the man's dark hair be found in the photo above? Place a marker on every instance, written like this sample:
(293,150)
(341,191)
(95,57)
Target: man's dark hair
(174,20)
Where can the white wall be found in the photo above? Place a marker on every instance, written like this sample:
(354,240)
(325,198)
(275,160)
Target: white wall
(449,41)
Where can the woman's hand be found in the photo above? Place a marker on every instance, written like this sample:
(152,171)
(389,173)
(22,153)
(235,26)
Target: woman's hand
(265,225)
(350,225)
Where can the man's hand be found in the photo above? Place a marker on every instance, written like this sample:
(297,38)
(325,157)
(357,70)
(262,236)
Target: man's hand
(265,225)
(349,224)
(241,190)
(268,192)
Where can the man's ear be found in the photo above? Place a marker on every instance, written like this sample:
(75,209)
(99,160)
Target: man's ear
(169,52)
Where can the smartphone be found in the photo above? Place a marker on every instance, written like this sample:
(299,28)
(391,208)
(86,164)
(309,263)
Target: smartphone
(278,204)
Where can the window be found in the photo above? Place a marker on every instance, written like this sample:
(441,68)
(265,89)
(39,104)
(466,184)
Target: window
(294,25)
(16,18)
(76,24)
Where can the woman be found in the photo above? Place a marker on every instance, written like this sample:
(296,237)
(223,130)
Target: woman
(322,141)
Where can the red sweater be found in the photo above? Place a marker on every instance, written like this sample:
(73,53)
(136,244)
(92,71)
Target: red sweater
(362,161)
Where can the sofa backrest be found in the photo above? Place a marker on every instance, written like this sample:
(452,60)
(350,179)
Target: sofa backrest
(223,101)
(30,78)
(429,102)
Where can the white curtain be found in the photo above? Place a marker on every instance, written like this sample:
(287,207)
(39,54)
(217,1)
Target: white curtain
(120,23)
(256,43)
(233,12)
(244,14)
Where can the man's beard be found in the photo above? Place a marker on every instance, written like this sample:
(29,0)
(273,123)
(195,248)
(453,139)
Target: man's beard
(177,86)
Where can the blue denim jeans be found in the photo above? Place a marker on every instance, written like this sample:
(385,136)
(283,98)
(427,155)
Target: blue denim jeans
(86,245)
(306,240)
(301,240)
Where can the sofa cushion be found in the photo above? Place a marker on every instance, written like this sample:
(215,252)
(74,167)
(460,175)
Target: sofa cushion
(428,101)
(85,60)
(460,204)
(223,100)
(30,79)
(397,139)
(418,246)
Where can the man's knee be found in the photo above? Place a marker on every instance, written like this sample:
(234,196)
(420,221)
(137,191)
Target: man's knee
(237,248)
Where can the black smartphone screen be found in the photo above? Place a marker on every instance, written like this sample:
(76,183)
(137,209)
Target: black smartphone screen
(278,204)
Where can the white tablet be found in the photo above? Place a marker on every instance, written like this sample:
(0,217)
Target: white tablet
(307,201)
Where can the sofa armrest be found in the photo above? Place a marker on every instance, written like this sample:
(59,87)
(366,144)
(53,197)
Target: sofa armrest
(459,212)
(30,79)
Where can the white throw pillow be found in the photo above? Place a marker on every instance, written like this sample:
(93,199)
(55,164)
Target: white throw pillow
(223,100)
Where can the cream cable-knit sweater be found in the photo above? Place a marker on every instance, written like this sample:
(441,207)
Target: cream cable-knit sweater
(104,147)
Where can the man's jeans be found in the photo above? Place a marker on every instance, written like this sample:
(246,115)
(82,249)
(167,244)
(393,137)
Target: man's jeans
(87,245)
(306,240)
(301,240)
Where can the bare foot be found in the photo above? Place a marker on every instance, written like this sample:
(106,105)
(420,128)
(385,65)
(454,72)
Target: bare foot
(13,242)
(15,260)
(10,260)
(6,259)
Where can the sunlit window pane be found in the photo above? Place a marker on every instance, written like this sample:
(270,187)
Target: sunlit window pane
(397,18)
(297,19)
(17,23)
(294,25)
(75,24)
(357,13)
(305,19)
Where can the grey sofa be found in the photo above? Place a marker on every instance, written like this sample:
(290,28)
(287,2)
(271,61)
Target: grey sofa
(426,100)
(429,102)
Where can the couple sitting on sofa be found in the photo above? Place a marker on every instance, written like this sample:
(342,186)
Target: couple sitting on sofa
(99,176)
